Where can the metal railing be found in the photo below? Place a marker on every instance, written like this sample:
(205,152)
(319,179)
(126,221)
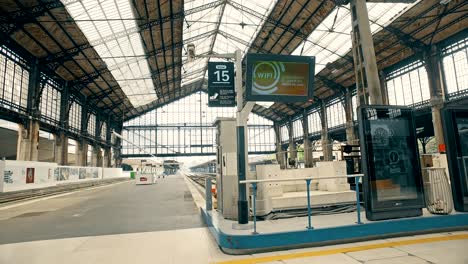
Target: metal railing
(308,180)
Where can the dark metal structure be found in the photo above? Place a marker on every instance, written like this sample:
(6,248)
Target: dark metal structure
(46,44)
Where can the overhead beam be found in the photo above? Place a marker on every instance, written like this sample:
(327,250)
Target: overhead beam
(148,25)
(331,84)
(26,15)
(57,59)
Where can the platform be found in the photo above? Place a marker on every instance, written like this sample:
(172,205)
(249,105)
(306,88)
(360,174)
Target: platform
(160,223)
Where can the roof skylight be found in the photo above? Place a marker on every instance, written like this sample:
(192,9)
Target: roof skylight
(223,29)
(332,38)
(111,28)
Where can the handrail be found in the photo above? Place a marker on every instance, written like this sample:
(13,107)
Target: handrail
(302,179)
(307,180)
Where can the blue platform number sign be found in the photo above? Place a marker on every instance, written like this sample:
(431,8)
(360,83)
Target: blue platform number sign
(221,84)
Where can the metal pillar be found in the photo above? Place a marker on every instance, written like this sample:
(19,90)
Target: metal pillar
(348,105)
(327,147)
(292,153)
(242,156)
(279,149)
(82,144)
(96,157)
(28,132)
(28,141)
(81,153)
(383,86)
(107,163)
(308,158)
(433,64)
(61,138)
(61,148)
(117,148)
(365,65)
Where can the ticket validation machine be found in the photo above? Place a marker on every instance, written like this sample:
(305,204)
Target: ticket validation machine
(455,124)
(392,183)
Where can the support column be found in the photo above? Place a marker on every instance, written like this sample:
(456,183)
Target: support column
(327,148)
(107,158)
(81,152)
(117,148)
(28,133)
(28,141)
(292,153)
(348,104)
(308,159)
(82,144)
(61,148)
(280,155)
(365,64)
(61,138)
(383,86)
(96,157)
(433,64)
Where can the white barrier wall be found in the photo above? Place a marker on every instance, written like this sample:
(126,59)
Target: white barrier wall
(108,173)
(74,173)
(2,172)
(22,175)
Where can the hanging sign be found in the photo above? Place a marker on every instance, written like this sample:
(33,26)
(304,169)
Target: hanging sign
(221,91)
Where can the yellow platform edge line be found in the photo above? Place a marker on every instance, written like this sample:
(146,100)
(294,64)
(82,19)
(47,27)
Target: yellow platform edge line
(346,249)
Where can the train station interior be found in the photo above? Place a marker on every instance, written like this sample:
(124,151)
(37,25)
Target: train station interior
(234,131)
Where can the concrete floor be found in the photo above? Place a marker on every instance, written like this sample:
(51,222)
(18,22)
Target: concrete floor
(118,209)
(124,223)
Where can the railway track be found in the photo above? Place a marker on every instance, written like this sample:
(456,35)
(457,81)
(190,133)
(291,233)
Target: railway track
(24,195)
(199,178)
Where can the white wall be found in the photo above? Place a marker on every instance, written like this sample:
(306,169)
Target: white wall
(42,174)
(13,174)
(108,173)
(74,173)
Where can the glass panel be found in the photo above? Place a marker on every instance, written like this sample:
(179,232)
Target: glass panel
(186,126)
(408,85)
(462,126)
(392,155)
(331,39)
(111,28)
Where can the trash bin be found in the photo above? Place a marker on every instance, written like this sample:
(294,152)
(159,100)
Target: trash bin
(437,192)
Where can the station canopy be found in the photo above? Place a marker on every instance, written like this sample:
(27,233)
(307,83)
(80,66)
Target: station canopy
(129,57)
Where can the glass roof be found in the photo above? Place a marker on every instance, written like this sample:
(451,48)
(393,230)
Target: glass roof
(332,38)
(111,28)
(220,30)
(217,27)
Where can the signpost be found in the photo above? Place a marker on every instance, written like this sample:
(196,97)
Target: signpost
(221,91)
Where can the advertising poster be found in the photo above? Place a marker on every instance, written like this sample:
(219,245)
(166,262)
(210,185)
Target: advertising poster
(74,174)
(8,177)
(57,174)
(29,175)
(280,78)
(82,173)
(64,174)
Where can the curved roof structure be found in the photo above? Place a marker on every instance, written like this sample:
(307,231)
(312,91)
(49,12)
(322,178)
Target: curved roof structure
(128,57)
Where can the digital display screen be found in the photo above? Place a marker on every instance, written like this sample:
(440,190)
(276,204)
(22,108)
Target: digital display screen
(394,176)
(279,77)
(462,127)
(392,182)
